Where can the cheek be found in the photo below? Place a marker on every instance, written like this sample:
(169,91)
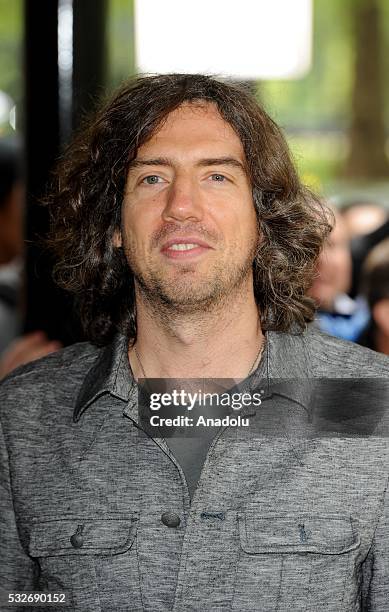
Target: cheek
(240,217)
(247,212)
(248,226)
(138,228)
(131,232)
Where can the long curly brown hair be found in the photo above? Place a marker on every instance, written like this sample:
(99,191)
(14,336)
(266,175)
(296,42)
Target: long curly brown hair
(85,207)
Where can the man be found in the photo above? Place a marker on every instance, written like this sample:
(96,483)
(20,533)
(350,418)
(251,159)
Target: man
(181,225)
(362,217)
(375,286)
(11,241)
(14,350)
(338,314)
(367,224)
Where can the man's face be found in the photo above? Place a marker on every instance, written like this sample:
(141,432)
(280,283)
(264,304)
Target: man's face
(189,226)
(333,267)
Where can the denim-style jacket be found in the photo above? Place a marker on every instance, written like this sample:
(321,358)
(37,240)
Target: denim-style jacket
(291,514)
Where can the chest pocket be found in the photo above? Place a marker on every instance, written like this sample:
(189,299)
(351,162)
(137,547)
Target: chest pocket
(92,560)
(294,561)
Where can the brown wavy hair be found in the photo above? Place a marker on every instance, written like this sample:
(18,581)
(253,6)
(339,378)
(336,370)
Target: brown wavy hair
(85,206)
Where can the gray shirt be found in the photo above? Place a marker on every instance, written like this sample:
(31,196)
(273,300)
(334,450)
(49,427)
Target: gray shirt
(290,514)
(191,449)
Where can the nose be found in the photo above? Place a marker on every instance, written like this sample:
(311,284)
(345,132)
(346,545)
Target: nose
(184,202)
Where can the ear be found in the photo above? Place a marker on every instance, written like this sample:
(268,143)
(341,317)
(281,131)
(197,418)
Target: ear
(117,239)
(380,314)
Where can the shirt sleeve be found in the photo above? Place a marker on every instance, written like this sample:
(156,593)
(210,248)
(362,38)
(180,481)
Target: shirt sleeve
(375,593)
(18,571)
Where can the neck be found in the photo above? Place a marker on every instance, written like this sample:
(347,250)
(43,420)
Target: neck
(219,343)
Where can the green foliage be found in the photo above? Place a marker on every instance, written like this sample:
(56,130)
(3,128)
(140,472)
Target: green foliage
(384,7)
(319,157)
(315,110)
(321,99)
(11,30)
(120,41)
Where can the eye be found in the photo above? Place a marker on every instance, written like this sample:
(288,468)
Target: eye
(152,179)
(218,178)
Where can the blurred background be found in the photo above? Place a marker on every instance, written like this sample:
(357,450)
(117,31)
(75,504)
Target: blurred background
(318,66)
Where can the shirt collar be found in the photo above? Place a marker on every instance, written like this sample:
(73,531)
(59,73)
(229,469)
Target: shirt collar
(288,367)
(285,366)
(110,374)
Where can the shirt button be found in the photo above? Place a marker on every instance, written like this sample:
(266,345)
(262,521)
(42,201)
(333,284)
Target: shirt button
(170,519)
(77,541)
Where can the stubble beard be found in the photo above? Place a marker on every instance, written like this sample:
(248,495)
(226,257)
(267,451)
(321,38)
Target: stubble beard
(188,292)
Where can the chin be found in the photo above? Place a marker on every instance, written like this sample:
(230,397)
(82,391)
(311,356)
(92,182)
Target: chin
(191,295)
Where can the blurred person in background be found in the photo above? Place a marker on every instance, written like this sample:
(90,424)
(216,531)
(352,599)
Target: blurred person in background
(361,217)
(367,224)
(338,314)
(15,350)
(375,285)
(11,241)
(25,349)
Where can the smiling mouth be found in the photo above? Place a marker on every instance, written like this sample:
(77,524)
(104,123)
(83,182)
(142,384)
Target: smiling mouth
(184,250)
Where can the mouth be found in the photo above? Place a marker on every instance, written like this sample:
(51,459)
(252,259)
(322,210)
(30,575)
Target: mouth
(184,248)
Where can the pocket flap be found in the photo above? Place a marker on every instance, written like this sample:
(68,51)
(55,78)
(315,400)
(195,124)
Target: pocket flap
(109,536)
(330,534)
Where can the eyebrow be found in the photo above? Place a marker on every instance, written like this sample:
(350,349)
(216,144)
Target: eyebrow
(209,161)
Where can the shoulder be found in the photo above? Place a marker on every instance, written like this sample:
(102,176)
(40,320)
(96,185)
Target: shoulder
(58,363)
(333,357)
(58,375)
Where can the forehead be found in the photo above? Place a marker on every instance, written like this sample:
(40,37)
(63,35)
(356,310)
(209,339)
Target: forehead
(195,125)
